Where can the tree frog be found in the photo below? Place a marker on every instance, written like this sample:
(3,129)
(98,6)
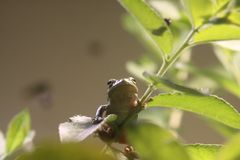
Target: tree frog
(122,99)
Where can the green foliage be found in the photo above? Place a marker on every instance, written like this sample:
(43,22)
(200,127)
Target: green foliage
(221,78)
(210,21)
(205,105)
(201,11)
(161,83)
(231,150)
(237,4)
(138,67)
(203,151)
(215,24)
(156,115)
(132,25)
(18,129)
(211,33)
(153,23)
(71,151)
(153,142)
(193,7)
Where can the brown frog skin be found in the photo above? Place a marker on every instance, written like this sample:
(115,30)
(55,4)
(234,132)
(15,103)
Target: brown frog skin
(122,99)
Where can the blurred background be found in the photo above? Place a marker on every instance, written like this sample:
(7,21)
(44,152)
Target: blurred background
(56,57)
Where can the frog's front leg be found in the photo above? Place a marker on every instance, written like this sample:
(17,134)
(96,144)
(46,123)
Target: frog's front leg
(100,114)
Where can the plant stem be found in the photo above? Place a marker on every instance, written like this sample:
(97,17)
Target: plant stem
(167,64)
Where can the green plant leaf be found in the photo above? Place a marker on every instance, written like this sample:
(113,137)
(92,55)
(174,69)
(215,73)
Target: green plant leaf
(203,151)
(156,115)
(217,75)
(221,3)
(131,25)
(231,150)
(195,10)
(222,28)
(217,32)
(200,11)
(231,62)
(153,23)
(161,82)
(152,142)
(205,105)
(237,4)
(18,130)
(180,25)
(223,81)
(71,151)
(141,65)
(233,17)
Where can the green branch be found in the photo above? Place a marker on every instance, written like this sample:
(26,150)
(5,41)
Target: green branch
(167,64)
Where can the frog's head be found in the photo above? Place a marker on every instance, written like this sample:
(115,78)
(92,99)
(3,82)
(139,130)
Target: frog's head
(125,86)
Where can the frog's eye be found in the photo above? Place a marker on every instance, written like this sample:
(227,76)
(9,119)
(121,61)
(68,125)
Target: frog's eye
(111,82)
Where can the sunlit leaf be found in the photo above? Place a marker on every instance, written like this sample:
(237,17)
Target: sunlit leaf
(152,22)
(220,4)
(156,115)
(237,4)
(18,130)
(225,27)
(233,17)
(231,62)
(179,23)
(201,11)
(223,80)
(203,151)
(180,29)
(131,25)
(141,65)
(71,151)
(205,105)
(152,142)
(161,82)
(195,10)
(231,150)
(217,32)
